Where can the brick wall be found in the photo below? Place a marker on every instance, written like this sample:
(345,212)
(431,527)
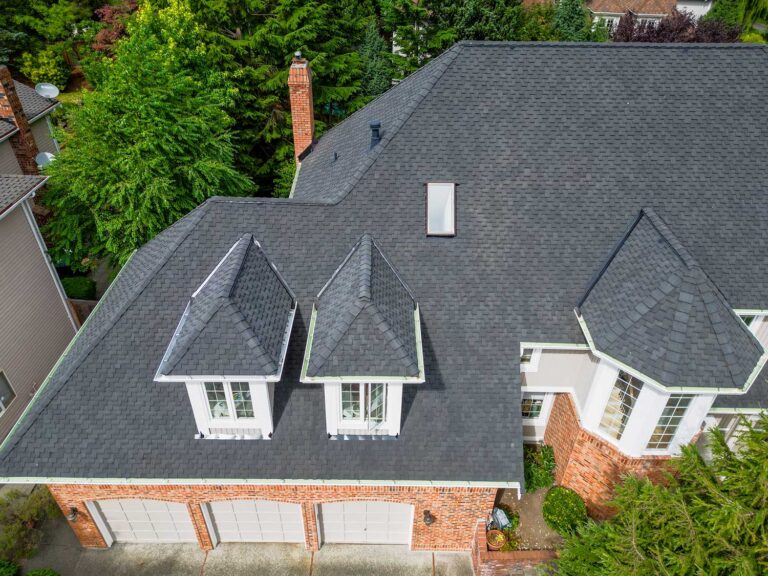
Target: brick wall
(488,563)
(456,509)
(588,464)
(22,142)
(302,105)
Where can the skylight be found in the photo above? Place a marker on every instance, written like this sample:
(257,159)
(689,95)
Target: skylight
(441,209)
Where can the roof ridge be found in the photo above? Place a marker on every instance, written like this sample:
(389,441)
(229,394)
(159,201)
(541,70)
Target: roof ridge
(674,242)
(366,271)
(13,439)
(614,45)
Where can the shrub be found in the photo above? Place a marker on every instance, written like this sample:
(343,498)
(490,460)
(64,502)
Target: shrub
(48,65)
(79,287)
(20,518)
(539,467)
(564,510)
(753,38)
(43,572)
(8,568)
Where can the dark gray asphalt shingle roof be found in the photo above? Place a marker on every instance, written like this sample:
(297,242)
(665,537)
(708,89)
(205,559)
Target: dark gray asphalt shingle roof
(236,322)
(546,188)
(7,128)
(365,320)
(14,187)
(33,104)
(755,398)
(655,309)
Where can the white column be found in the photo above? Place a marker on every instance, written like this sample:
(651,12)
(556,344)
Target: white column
(332,404)
(599,392)
(394,407)
(196,395)
(691,422)
(262,407)
(643,419)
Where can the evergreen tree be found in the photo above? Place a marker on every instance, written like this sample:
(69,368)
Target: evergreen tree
(377,70)
(147,146)
(711,518)
(571,20)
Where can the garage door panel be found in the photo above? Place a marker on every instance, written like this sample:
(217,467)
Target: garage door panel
(364,522)
(257,521)
(136,520)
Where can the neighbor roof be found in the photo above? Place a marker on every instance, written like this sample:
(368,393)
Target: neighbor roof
(364,321)
(655,309)
(638,7)
(545,189)
(7,129)
(14,187)
(237,323)
(32,103)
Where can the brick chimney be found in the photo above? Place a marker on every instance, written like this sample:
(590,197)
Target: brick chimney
(302,112)
(22,142)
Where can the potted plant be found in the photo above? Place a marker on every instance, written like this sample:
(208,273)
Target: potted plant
(495,539)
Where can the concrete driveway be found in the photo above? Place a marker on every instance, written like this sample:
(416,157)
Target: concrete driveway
(61,551)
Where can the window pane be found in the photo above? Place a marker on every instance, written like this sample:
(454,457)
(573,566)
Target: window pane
(748,320)
(350,401)
(622,400)
(217,400)
(669,421)
(525,357)
(532,407)
(241,395)
(6,393)
(440,209)
(377,403)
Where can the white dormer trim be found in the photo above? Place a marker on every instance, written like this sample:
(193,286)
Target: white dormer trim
(259,427)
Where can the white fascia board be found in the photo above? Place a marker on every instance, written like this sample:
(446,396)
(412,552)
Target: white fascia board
(419,350)
(554,345)
(737,410)
(23,199)
(7,136)
(677,389)
(215,378)
(284,349)
(44,113)
(750,311)
(308,348)
(64,354)
(253,482)
(295,179)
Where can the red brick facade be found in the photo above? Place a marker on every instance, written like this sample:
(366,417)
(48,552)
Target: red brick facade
(456,510)
(22,142)
(302,105)
(588,464)
(488,563)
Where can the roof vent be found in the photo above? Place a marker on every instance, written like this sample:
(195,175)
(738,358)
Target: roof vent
(375,132)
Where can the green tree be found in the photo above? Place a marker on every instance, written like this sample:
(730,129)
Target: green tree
(712,518)
(147,146)
(377,70)
(571,20)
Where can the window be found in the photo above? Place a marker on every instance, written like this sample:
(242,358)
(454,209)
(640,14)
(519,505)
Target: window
(225,399)
(526,355)
(6,393)
(529,359)
(620,403)
(441,209)
(748,320)
(669,421)
(532,406)
(364,403)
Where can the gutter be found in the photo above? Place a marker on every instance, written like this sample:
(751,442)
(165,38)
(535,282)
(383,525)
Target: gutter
(26,196)
(44,112)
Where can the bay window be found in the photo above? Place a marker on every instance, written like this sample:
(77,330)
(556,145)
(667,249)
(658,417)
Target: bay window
(670,419)
(620,404)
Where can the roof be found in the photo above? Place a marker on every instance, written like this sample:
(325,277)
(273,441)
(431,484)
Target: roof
(638,7)
(237,322)
(7,128)
(756,397)
(365,320)
(655,309)
(33,104)
(545,189)
(14,187)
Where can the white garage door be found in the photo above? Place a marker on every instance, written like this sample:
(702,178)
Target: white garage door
(365,522)
(257,521)
(147,520)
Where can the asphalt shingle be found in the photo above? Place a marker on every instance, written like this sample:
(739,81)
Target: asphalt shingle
(14,187)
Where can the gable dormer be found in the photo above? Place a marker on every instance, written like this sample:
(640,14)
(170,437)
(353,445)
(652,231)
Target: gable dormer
(230,345)
(364,343)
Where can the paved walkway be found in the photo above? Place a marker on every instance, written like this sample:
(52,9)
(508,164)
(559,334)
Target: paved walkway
(61,551)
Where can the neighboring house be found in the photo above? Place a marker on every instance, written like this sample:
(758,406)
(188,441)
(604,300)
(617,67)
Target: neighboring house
(35,318)
(470,262)
(611,11)
(25,126)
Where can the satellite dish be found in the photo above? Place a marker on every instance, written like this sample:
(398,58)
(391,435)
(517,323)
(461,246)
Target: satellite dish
(46,90)
(44,158)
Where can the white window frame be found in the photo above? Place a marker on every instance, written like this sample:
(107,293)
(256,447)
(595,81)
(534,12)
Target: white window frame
(435,187)
(755,323)
(672,422)
(363,422)
(3,405)
(631,382)
(547,399)
(233,417)
(533,365)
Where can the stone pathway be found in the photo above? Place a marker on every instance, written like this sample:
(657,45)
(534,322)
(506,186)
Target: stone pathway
(533,531)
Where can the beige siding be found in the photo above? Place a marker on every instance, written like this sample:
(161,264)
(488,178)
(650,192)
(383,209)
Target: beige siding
(43,137)
(34,325)
(568,369)
(8,162)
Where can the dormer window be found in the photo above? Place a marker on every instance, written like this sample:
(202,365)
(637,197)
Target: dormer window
(225,399)
(363,405)
(441,209)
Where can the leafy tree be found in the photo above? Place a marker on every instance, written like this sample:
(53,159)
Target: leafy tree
(147,146)
(676,27)
(54,21)
(571,20)
(538,25)
(711,518)
(377,70)
(47,65)
(113,18)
